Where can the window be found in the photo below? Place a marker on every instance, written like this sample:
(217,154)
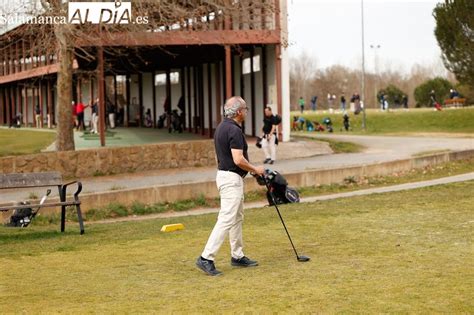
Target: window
(246,64)
(160,79)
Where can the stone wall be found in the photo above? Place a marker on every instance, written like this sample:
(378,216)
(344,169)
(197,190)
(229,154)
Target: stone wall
(176,192)
(104,161)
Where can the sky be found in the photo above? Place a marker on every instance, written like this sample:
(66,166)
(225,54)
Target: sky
(331,32)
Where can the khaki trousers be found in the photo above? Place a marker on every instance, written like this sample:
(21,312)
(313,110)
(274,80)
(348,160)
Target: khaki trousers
(230,218)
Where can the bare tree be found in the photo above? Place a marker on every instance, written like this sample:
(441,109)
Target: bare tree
(69,41)
(303,69)
(335,80)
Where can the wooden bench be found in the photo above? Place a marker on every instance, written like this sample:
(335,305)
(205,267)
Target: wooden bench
(46,179)
(455,102)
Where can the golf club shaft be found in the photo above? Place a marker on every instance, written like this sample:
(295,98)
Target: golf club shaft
(48,192)
(281,218)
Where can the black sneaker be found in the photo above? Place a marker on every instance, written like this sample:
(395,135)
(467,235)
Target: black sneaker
(207,266)
(243,262)
(271,162)
(266,161)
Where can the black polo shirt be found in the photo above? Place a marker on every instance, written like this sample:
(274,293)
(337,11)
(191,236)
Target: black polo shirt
(229,136)
(268,122)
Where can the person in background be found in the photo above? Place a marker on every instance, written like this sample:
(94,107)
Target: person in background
(95,116)
(357,104)
(80,115)
(38,116)
(453,94)
(343,102)
(385,103)
(433,100)
(405,101)
(301,103)
(314,101)
(74,114)
(148,120)
(269,136)
(110,108)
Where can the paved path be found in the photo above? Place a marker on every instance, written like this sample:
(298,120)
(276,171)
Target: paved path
(378,149)
(250,205)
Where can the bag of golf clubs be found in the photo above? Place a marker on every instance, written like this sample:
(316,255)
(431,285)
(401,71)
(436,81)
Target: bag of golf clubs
(22,217)
(278,185)
(328,123)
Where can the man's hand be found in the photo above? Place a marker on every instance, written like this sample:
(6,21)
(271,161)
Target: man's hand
(259,170)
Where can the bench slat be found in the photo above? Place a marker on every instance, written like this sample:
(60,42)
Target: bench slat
(45,205)
(19,180)
(455,101)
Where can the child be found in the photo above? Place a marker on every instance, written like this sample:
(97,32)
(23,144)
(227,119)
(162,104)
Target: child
(294,125)
(301,122)
(148,120)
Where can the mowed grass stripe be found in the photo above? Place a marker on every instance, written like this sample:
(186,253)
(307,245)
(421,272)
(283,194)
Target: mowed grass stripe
(17,141)
(402,122)
(397,252)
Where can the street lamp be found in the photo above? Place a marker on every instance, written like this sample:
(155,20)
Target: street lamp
(376,71)
(363,67)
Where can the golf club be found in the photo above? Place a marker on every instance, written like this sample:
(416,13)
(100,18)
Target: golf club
(27,220)
(300,258)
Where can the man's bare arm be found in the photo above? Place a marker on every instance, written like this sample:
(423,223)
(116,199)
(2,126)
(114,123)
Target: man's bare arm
(241,161)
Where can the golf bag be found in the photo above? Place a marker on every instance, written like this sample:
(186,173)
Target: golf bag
(278,186)
(161,121)
(22,217)
(176,122)
(345,121)
(328,123)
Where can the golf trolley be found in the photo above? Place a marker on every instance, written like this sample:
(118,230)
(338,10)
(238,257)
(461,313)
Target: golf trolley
(22,217)
(24,212)
(278,192)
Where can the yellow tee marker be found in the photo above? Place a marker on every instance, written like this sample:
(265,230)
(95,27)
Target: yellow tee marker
(172,227)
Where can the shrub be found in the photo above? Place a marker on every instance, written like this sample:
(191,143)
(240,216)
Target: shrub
(392,93)
(117,210)
(439,85)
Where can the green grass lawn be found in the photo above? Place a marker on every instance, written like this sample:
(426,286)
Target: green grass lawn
(402,122)
(335,145)
(17,141)
(403,252)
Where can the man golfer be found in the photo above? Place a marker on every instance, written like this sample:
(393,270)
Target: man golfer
(269,136)
(233,166)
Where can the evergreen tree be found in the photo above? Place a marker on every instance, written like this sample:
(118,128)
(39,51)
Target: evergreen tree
(455,34)
(393,95)
(439,85)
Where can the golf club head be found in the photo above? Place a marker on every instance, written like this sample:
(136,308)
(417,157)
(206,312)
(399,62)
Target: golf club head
(302,258)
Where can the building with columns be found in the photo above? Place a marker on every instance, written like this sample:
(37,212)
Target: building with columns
(192,68)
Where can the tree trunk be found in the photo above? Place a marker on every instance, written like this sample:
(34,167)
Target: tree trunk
(65,132)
